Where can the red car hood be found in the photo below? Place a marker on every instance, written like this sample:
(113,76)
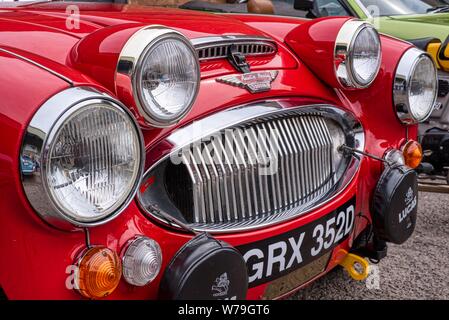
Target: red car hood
(49,29)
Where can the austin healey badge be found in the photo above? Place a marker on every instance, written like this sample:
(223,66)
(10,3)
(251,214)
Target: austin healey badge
(254,82)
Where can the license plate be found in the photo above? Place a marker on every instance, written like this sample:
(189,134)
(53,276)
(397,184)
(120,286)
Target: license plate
(296,278)
(275,257)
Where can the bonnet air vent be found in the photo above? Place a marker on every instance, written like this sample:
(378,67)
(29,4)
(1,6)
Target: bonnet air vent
(218,47)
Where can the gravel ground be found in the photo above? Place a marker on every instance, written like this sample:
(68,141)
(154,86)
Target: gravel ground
(418,269)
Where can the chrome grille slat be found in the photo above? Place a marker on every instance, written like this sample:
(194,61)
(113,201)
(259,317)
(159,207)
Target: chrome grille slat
(224,194)
(238,189)
(293,162)
(215,177)
(263,154)
(225,170)
(249,174)
(329,142)
(324,151)
(207,182)
(306,166)
(283,172)
(312,147)
(201,209)
(242,162)
(219,48)
(315,156)
(230,181)
(195,183)
(300,161)
(318,153)
(263,187)
(327,153)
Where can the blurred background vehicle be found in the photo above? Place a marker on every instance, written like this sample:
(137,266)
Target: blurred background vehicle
(27,165)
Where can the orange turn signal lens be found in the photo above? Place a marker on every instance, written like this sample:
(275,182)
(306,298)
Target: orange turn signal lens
(99,272)
(413,155)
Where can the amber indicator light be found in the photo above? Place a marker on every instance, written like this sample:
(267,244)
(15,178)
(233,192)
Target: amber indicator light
(413,155)
(99,273)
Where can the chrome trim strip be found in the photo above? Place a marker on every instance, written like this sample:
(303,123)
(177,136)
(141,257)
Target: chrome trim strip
(245,114)
(60,76)
(41,130)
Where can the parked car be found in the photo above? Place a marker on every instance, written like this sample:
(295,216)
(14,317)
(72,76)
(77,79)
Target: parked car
(188,155)
(27,165)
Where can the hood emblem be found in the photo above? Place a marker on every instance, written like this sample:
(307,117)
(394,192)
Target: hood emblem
(254,82)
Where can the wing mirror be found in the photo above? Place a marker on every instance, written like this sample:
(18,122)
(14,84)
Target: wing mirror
(303,5)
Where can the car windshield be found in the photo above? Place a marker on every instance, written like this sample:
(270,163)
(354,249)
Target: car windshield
(277,7)
(379,8)
(296,8)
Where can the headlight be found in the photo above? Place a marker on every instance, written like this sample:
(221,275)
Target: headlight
(91,153)
(415,87)
(164,72)
(357,54)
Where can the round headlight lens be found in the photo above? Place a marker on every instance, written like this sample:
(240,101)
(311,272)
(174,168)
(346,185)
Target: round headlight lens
(93,162)
(415,86)
(357,54)
(167,79)
(365,56)
(422,88)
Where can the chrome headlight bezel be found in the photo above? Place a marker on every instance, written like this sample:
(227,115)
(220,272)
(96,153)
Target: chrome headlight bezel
(343,55)
(402,82)
(41,133)
(130,63)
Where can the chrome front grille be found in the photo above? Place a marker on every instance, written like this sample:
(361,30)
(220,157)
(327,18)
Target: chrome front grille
(252,166)
(258,170)
(218,48)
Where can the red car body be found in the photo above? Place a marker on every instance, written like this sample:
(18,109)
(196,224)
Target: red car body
(40,57)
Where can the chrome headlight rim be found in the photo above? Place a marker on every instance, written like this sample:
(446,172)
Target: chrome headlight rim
(132,58)
(48,120)
(343,54)
(402,82)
